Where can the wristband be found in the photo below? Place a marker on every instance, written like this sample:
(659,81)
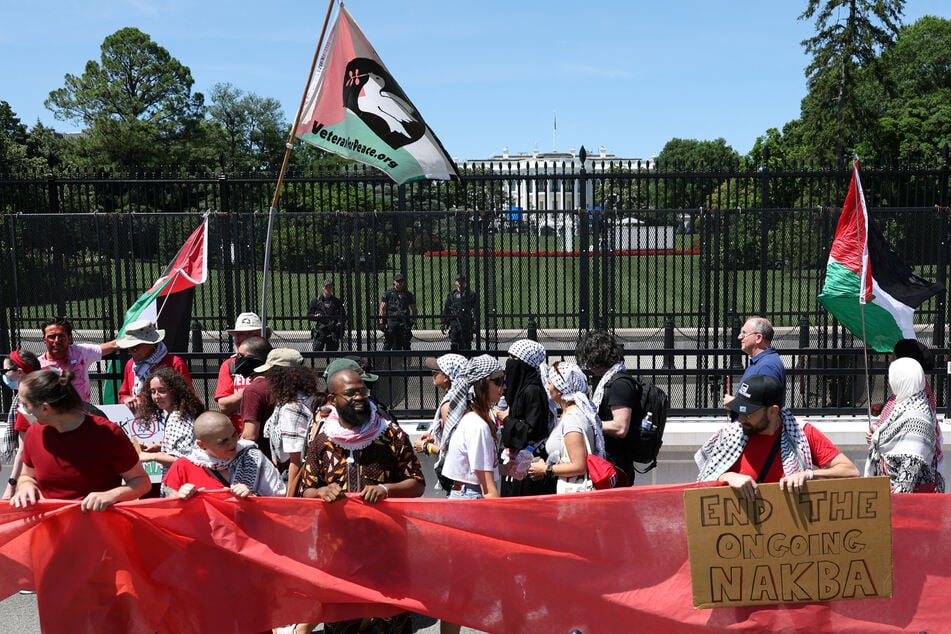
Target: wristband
(810,474)
(12,482)
(549,470)
(386,492)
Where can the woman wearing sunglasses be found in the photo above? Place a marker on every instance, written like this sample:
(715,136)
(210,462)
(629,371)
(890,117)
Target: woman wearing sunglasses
(15,367)
(469,455)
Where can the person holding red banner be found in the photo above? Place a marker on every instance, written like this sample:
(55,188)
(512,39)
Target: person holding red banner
(72,455)
(767,444)
(15,367)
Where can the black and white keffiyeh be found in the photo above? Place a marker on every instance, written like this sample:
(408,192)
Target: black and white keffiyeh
(724,448)
(249,467)
(599,390)
(569,379)
(535,355)
(9,437)
(903,447)
(461,394)
(141,370)
(179,435)
(452,365)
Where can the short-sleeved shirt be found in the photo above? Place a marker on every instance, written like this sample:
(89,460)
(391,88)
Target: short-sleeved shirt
(230,383)
(622,393)
(389,459)
(70,465)
(78,359)
(758,447)
(767,362)
(472,448)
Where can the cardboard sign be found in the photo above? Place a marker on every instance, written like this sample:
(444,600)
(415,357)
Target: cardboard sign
(140,432)
(830,541)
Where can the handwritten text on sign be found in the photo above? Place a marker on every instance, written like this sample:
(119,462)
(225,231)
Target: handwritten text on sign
(830,541)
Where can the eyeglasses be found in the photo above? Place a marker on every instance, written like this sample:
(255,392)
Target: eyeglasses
(8,370)
(744,334)
(357,391)
(497,380)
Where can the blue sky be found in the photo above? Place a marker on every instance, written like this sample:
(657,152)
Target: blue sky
(626,74)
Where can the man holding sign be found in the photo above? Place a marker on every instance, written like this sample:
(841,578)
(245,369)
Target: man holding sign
(767,444)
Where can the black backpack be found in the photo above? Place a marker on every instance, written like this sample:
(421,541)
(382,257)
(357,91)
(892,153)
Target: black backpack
(644,445)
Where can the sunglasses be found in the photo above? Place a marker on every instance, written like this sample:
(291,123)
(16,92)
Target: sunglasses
(497,380)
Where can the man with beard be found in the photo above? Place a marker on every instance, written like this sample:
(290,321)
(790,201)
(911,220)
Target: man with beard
(767,444)
(353,449)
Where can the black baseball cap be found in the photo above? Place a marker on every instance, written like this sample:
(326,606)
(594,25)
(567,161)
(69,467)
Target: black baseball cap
(399,277)
(755,393)
(461,278)
(328,282)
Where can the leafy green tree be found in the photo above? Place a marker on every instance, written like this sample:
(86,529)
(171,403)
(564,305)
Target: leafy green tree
(136,103)
(916,122)
(708,158)
(252,129)
(850,34)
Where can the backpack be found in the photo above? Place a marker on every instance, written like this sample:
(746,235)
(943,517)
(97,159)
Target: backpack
(644,446)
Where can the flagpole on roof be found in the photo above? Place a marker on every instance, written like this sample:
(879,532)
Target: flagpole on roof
(859,223)
(280,176)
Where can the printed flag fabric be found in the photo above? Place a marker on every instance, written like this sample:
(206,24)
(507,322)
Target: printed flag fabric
(356,109)
(604,561)
(865,279)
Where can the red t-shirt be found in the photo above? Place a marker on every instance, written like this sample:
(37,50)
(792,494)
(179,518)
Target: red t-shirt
(73,464)
(169,360)
(256,404)
(184,470)
(758,447)
(230,383)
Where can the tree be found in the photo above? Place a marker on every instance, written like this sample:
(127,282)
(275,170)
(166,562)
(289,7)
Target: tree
(916,122)
(850,34)
(253,129)
(136,103)
(711,157)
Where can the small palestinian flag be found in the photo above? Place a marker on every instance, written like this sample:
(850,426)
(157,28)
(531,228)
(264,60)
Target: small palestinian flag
(867,282)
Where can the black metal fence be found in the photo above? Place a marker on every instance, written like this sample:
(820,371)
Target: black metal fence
(672,260)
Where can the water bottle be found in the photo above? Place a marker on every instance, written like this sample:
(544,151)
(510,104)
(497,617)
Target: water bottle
(502,405)
(523,461)
(647,425)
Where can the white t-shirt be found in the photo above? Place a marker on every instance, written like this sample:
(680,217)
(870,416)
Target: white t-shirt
(472,448)
(572,420)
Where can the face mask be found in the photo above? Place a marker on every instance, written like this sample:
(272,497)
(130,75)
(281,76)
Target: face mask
(30,418)
(245,366)
(10,383)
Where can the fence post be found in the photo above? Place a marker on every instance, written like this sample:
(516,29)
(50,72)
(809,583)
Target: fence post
(669,341)
(584,270)
(532,329)
(735,343)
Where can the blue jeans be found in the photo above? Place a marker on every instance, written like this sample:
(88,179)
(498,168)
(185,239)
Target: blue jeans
(467,492)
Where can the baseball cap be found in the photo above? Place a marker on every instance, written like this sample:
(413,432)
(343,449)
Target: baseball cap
(328,282)
(461,278)
(755,393)
(399,277)
(281,357)
(348,364)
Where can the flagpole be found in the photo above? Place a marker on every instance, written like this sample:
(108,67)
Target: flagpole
(860,193)
(280,176)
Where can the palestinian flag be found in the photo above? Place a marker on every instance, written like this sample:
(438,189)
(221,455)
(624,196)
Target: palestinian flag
(356,109)
(168,302)
(867,287)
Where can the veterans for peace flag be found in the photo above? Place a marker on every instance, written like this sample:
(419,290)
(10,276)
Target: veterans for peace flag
(355,108)
(868,288)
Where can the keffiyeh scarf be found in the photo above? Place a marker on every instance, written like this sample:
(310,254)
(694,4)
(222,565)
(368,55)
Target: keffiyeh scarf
(354,439)
(534,354)
(567,378)
(179,435)
(724,448)
(247,467)
(599,390)
(460,395)
(903,447)
(141,371)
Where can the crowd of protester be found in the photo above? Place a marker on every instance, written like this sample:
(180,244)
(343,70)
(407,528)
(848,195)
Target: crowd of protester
(516,428)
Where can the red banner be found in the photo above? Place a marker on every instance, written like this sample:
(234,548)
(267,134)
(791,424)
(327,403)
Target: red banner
(599,562)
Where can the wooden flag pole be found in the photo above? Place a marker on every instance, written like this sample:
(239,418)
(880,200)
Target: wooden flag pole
(280,176)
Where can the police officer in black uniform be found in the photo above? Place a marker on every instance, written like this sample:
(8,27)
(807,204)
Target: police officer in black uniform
(397,315)
(458,315)
(327,310)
